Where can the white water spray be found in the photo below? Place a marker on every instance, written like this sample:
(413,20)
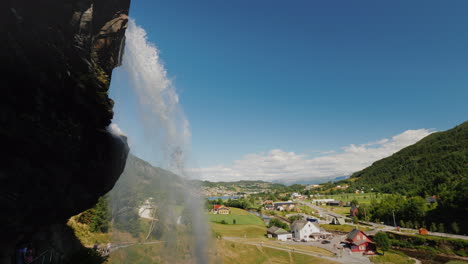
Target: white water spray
(166,124)
(159,102)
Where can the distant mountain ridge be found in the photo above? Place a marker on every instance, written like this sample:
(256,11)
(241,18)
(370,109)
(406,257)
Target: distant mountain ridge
(436,164)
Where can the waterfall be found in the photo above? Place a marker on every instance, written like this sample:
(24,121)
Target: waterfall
(168,133)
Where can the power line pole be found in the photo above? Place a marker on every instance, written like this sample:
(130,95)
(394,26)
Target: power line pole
(394,222)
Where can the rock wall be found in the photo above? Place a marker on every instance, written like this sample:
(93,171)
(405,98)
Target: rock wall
(57,156)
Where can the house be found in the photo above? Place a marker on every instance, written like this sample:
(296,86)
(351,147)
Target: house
(358,241)
(279,233)
(147,210)
(220,209)
(269,207)
(303,230)
(224,210)
(284,206)
(268,202)
(321,201)
(334,203)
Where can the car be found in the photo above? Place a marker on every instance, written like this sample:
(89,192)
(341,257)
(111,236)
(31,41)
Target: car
(325,241)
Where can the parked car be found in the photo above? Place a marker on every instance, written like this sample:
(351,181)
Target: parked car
(325,241)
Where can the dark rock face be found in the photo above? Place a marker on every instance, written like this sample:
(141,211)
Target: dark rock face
(57,157)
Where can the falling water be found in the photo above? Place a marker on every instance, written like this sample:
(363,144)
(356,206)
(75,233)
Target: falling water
(167,130)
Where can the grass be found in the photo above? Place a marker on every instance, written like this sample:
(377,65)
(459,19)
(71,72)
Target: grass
(312,249)
(392,257)
(86,237)
(362,198)
(242,217)
(239,230)
(337,209)
(234,253)
(344,228)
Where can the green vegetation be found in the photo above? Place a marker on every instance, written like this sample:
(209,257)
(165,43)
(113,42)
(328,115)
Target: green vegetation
(240,216)
(392,257)
(239,230)
(431,244)
(343,228)
(239,223)
(382,242)
(98,217)
(436,165)
(278,223)
(234,253)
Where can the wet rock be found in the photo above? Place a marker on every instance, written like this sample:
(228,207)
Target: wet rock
(57,156)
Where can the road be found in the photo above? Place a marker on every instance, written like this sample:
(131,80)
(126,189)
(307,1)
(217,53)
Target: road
(380,227)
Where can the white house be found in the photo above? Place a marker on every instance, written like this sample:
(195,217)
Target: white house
(147,210)
(279,233)
(307,231)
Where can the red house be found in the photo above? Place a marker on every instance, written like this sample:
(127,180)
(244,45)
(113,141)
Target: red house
(358,241)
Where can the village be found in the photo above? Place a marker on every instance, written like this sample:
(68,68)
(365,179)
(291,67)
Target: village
(306,229)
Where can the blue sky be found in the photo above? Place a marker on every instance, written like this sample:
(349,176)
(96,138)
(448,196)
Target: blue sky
(305,77)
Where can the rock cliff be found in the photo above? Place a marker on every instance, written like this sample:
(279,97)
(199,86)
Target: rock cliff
(58,156)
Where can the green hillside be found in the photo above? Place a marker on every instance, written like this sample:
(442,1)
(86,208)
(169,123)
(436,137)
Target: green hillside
(436,164)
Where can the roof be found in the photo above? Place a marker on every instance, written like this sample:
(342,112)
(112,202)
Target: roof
(284,203)
(351,235)
(223,208)
(276,230)
(215,207)
(299,224)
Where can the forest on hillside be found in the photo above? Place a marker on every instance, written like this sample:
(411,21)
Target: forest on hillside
(435,166)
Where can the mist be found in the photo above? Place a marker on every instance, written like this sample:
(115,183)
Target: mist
(178,221)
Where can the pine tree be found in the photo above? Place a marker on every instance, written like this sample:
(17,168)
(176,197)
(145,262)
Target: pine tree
(455,228)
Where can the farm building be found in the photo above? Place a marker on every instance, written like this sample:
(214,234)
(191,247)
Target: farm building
(358,241)
(279,233)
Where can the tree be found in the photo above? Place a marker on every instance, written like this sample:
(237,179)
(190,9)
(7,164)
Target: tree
(382,241)
(409,224)
(278,223)
(295,217)
(402,223)
(441,228)
(455,228)
(233,221)
(433,227)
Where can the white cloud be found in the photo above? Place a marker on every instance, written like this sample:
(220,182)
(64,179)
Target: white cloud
(279,165)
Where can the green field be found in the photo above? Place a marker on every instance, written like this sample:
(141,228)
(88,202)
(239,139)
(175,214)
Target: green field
(393,257)
(344,228)
(362,198)
(234,253)
(242,217)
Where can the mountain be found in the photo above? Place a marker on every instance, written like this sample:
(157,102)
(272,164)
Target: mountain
(436,165)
